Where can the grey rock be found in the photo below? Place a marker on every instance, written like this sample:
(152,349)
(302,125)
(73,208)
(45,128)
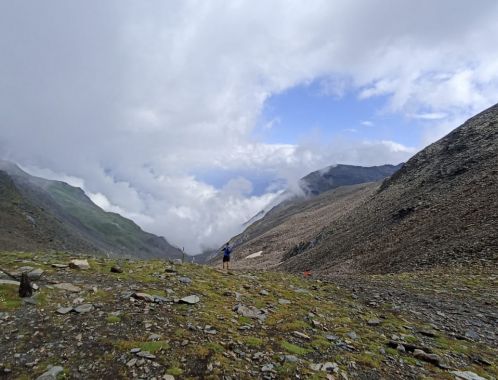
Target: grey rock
(60,266)
(283,301)
(264,292)
(84,308)
(24,269)
(185,280)
(35,274)
(64,310)
(301,335)
(51,373)
(9,282)
(250,312)
(154,337)
(159,299)
(329,367)
(352,335)
(135,350)
(67,287)
(79,264)
(332,337)
(315,366)
(29,301)
(430,358)
(290,358)
(143,297)
(131,362)
(168,377)
(471,334)
(466,375)
(146,355)
(373,322)
(190,300)
(267,368)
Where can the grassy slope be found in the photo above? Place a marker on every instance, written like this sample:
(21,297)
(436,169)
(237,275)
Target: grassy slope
(109,332)
(110,228)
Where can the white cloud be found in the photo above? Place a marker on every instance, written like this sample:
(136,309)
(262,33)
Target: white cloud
(367,123)
(134,98)
(428,115)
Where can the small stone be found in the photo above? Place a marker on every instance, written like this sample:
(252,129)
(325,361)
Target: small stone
(190,300)
(467,375)
(51,373)
(68,287)
(315,366)
(264,292)
(84,308)
(29,301)
(400,348)
(430,358)
(352,335)
(373,322)
(290,358)
(332,337)
(79,264)
(35,274)
(185,280)
(60,266)
(301,335)
(159,299)
(64,310)
(267,368)
(472,335)
(116,269)
(154,337)
(283,301)
(168,377)
(135,350)
(146,355)
(429,333)
(329,367)
(143,297)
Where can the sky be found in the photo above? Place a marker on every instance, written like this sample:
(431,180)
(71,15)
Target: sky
(191,116)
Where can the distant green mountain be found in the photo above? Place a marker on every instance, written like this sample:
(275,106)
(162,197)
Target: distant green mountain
(37,213)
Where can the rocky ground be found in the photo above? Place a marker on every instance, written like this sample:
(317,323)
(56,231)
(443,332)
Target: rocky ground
(159,320)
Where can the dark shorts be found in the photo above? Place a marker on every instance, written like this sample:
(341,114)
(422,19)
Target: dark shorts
(226,259)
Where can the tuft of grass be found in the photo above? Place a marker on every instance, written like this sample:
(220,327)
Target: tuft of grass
(9,298)
(253,341)
(174,371)
(293,349)
(113,319)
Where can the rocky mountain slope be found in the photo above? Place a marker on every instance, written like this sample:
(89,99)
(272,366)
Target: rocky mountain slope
(336,176)
(440,209)
(328,193)
(154,320)
(36,213)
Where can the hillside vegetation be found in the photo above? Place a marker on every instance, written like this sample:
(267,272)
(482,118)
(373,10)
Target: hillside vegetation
(95,324)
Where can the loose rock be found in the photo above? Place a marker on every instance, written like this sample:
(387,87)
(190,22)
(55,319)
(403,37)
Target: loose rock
(79,264)
(51,374)
(190,300)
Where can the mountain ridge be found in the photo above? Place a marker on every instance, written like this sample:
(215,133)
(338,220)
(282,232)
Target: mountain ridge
(440,208)
(81,224)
